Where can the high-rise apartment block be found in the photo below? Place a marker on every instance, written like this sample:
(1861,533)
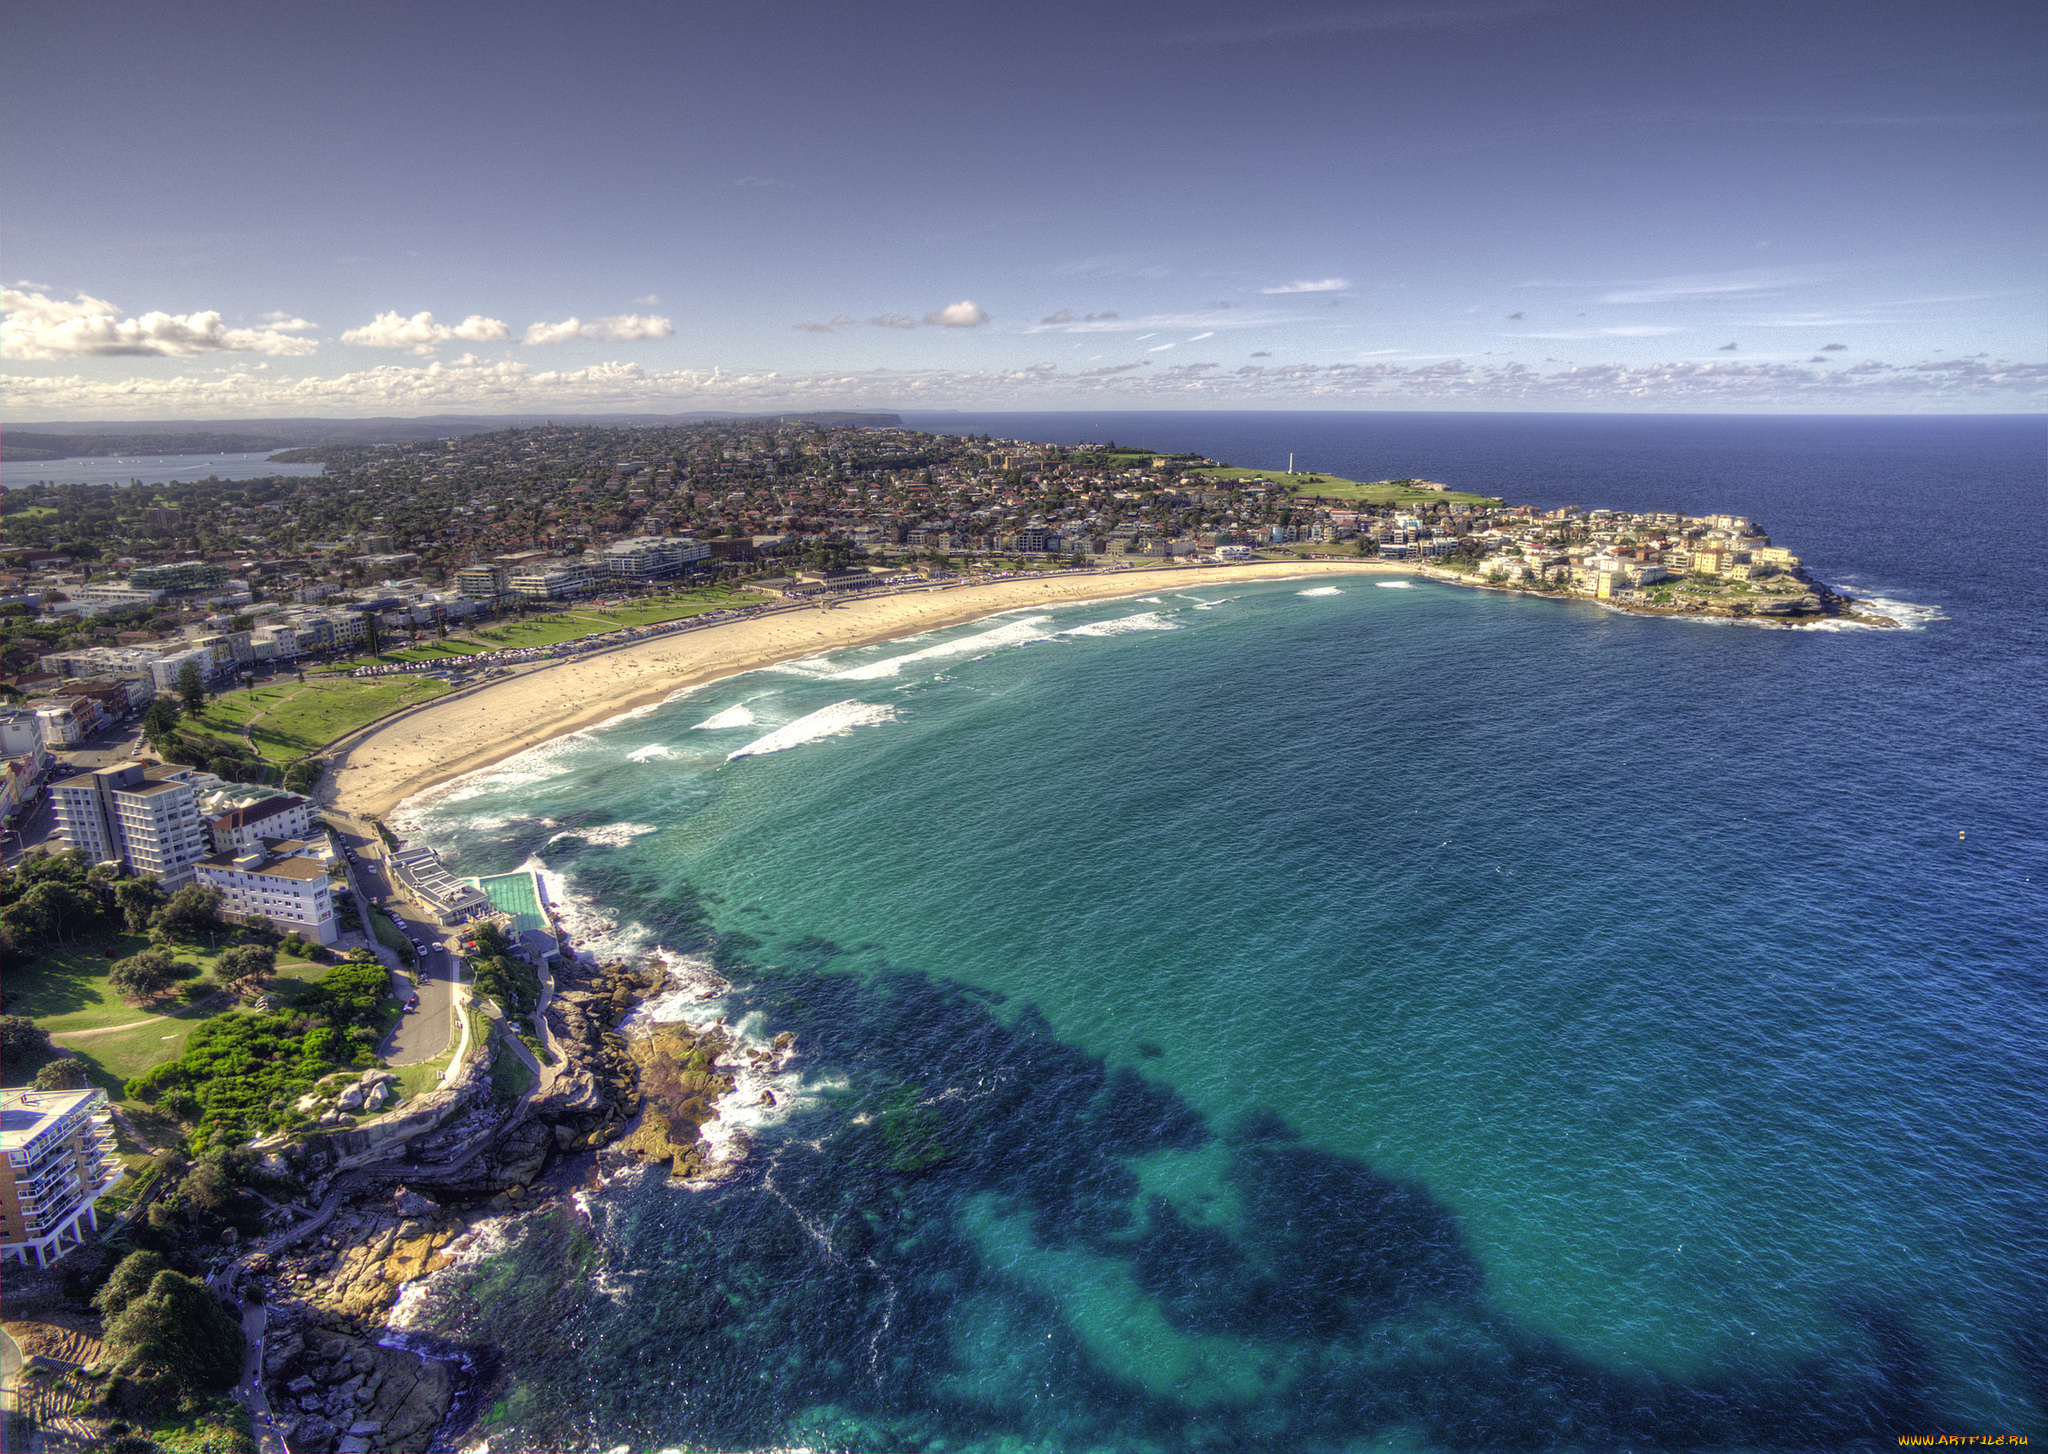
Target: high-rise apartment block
(144,816)
(56,1157)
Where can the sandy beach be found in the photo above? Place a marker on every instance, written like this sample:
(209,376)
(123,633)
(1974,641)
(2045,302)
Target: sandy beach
(390,762)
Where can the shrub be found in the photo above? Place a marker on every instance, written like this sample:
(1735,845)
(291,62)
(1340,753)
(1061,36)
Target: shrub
(176,1333)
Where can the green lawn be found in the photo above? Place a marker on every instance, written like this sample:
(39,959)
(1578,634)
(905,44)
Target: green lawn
(417,1079)
(1335,487)
(310,717)
(66,989)
(510,1079)
(117,1058)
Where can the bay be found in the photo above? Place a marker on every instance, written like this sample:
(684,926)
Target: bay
(1396,1017)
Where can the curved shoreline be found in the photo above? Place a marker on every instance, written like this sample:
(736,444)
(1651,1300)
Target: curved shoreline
(440,741)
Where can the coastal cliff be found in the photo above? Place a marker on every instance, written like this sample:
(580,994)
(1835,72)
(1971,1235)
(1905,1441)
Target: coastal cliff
(394,1210)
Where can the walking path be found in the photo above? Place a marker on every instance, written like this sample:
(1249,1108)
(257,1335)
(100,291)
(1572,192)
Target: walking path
(185,1013)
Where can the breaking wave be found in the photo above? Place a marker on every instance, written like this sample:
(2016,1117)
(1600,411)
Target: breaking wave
(731,717)
(834,721)
(1010,633)
(1124,625)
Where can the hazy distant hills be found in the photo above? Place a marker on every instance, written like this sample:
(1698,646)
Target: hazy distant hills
(70,439)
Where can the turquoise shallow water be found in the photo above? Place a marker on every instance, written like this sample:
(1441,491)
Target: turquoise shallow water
(1295,1017)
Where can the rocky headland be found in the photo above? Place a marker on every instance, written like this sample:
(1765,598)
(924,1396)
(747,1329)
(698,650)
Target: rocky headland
(399,1194)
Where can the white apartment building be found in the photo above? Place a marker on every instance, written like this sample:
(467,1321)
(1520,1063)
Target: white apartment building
(272,879)
(557,579)
(144,816)
(645,556)
(284,816)
(22,732)
(56,1157)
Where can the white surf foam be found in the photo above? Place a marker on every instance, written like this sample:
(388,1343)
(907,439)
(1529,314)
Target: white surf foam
(1395,585)
(834,721)
(1906,613)
(731,717)
(1124,626)
(1010,633)
(810,666)
(611,835)
(692,981)
(1322,591)
(648,753)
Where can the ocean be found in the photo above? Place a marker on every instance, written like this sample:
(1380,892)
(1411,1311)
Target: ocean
(1346,1015)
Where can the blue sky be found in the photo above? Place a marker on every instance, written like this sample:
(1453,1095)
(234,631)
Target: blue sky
(228,210)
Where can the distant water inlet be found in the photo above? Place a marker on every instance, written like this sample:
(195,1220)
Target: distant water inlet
(1425,1019)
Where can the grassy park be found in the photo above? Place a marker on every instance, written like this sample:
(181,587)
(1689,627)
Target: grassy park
(287,720)
(1336,487)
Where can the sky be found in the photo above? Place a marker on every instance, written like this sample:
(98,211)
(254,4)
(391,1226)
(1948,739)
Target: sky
(228,210)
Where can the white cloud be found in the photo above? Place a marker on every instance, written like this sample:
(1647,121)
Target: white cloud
(626,328)
(1319,285)
(35,325)
(963,314)
(894,320)
(652,300)
(1200,336)
(473,385)
(1709,285)
(422,334)
(1632,330)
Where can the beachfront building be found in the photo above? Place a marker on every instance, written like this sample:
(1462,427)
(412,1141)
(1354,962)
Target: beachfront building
(282,880)
(553,579)
(56,1158)
(286,815)
(185,575)
(144,816)
(448,898)
(482,582)
(646,557)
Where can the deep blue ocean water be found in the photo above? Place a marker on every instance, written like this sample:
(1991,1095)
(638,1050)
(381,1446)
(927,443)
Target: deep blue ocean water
(1380,1017)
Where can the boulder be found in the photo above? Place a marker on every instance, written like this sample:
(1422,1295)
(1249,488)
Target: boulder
(351,1099)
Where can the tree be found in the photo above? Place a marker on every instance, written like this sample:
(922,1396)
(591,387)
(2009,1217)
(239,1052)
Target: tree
(137,899)
(191,688)
(22,1045)
(249,962)
(59,908)
(159,719)
(191,910)
(143,976)
(63,1074)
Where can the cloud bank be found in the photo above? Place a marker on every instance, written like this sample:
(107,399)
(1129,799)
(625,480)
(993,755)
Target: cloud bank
(35,325)
(470,384)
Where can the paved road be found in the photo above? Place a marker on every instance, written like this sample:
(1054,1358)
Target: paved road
(426,1032)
